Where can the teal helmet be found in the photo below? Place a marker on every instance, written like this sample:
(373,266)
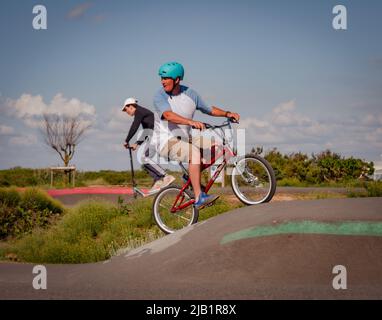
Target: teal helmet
(171,70)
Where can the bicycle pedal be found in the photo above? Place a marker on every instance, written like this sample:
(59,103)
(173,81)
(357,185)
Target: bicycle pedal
(211,203)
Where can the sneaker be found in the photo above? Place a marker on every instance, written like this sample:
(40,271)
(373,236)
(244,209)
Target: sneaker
(161,183)
(204,200)
(167,180)
(156,187)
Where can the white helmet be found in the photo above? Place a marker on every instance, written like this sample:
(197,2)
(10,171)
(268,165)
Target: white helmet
(129,101)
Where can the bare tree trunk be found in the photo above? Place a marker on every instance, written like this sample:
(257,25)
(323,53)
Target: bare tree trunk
(63,134)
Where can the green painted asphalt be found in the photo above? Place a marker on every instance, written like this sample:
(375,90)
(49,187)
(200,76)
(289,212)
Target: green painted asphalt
(346,228)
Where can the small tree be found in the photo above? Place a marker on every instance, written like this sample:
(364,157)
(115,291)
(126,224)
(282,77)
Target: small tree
(63,133)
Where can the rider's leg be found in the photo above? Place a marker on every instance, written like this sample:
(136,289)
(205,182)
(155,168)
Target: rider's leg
(184,151)
(161,178)
(200,143)
(209,148)
(153,173)
(201,199)
(194,171)
(154,169)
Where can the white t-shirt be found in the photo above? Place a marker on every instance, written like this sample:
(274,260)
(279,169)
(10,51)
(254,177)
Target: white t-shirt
(184,104)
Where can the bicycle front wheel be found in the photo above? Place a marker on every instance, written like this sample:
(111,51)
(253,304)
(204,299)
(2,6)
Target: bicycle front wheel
(172,209)
(253,180)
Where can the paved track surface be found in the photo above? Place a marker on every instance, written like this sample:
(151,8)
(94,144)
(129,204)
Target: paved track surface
(194,264)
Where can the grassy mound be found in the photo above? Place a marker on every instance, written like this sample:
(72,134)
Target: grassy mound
(21,212)
(94,231)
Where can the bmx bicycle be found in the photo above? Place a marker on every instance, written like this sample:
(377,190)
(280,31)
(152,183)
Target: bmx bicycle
(252,179)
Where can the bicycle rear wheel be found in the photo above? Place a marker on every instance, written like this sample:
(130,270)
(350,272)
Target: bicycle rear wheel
(167,209)
(253,180)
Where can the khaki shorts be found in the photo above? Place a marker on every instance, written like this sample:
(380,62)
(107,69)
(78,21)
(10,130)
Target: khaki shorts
(181,150)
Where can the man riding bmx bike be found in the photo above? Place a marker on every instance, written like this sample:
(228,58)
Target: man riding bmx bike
(176,105)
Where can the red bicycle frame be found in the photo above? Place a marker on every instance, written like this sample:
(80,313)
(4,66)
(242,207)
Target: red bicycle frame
(226,150)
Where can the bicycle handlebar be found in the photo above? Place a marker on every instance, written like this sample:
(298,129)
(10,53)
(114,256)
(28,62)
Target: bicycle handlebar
(210,126)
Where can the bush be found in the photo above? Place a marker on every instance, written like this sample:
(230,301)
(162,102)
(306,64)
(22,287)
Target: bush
(9,197)
(36,199)
(90,232)
(87,221)
(290,182)
(24,177)
(326,167)
(20,213)
(374,189)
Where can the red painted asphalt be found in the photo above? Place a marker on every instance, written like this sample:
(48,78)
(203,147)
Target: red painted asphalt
(92,190)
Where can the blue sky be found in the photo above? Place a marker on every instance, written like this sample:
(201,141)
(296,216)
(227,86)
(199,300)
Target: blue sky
(298,84)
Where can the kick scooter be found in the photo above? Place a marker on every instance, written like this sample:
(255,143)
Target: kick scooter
(137,190)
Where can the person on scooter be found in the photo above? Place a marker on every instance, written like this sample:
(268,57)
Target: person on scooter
(176,105)
(145,117)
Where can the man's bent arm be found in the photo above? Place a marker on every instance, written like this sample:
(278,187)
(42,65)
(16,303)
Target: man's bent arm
(217,112)
(176,118)
(134,127)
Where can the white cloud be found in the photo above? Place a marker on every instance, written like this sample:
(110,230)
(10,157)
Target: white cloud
(25,140)
(372,120)
(283,125)
(104,135)
(116,147)
(26,106)
(285,115)
(248,122)
(5,130)
(31,108)
(288,129)
(118,121)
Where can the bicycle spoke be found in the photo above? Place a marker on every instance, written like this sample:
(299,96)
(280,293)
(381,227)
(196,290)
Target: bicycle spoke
(179,216)
(171,221)
(252,181)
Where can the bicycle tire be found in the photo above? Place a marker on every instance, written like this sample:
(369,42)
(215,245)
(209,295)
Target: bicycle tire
(157,216)
(268,168)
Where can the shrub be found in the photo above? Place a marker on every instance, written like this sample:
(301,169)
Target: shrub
(90,232)
(23,177)
(324,167)
(9,197)
(20,213)
(87,220)
(36,199)
(290,182)
(374,189)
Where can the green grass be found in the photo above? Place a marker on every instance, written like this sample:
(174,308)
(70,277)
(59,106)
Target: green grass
(90,232)
(21,212)
(294,182)
(222,205)
(94,231)
(374,189)
(371,189)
